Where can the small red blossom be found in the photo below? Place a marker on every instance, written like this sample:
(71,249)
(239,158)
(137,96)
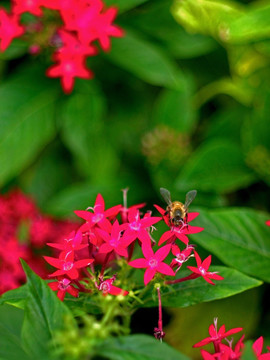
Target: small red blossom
(114,241)
(107,288)
(153,262)
(202,269)
(31,6)
(137,227)
(99,217)
(71,243)
(267,222)
(67,265)
(9,28)
(258,348)
(62,287)
(181,256)
(217,335)
(179,232)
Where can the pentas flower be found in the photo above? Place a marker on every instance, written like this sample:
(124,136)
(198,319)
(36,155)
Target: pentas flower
(115,241)
(179,232)
(217,335)
(107,287)
(202,269)
(67,265)
(258,347)
(137,227)
(181,256)
(99,216)
(9,28)
(62,287)
(153,262)
(31,6)
(68,69)
(72,242)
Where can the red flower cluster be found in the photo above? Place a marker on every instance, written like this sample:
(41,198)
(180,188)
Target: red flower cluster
(23,231)
(102,240)
(83,23)
(226,351)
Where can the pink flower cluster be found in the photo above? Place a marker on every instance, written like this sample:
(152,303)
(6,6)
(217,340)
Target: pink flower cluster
(108,236)
(23,232)
(83,23)
(227,351)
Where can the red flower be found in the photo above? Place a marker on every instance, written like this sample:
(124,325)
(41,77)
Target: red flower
(31,6)
(114,241)
(180,232)
(9,29)
(181,256)
(202,269)
(67,265)
(217,335)
(68,69)
(153,262)
(258,347)
(72,242)
(136,227)
(62,287)
(107,288)
(99,215)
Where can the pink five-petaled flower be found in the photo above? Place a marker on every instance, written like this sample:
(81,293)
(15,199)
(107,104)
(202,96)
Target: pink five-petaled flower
(114,241)
(258,347)
(217,335)
(62,286)
(99,216)
(180,232)
(9,28)
(107,288)
(31,6)
(202,269)
(68,68)
(153,262)
(181,256)
(72,242)
(136,227)
(67,265)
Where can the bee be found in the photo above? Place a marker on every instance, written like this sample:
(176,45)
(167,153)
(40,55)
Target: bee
(177,211)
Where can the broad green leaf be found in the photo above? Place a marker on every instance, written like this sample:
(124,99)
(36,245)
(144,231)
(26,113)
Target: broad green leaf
(175,108)
(206,17)
(177,41)
(253,25)
(26,120)
(216,166)
(138,347)
(11,348)
(85,136)
(17,49)
(124,5)
(145,60)
(44,314)
(193,292)
(238,237)
(16,297)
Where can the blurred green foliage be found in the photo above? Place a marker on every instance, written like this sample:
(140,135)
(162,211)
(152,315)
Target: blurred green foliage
(181,102)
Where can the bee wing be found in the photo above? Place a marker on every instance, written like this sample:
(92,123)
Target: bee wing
(190,197)
(166,195)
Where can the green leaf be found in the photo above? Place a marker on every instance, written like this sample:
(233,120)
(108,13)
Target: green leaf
(16,297)
(206,17)
(175,108)
(145,60)
(11,320)
(44,314)
(26,120)
(17,49)
(238,237)
(85,136)
(193,292)
(135,347)
(216,166)
(124,5)
(251,26)
(248,353)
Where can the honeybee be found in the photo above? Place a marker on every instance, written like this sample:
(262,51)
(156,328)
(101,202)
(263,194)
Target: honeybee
(177,211)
